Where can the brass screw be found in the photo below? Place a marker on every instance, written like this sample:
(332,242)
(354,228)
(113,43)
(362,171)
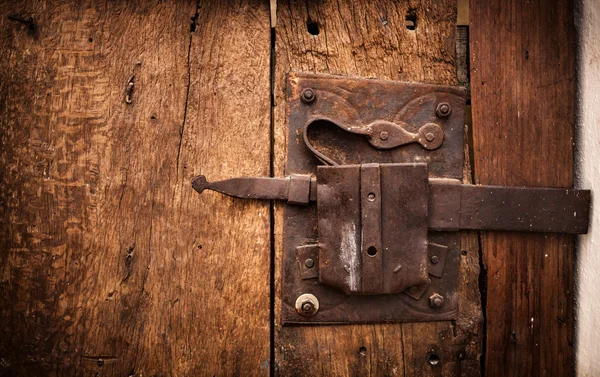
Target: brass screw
(308,95)
(443,109)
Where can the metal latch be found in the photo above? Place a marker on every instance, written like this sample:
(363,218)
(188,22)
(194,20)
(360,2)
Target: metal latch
(374,200)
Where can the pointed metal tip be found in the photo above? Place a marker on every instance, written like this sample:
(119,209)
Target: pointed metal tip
(200,183)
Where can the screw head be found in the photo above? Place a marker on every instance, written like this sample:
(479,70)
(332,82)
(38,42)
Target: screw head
(307,305)
(434,259)
(309,263)
(371,196)
(308,95)
(429,136)
(436,300)
(384,135)
(443,109)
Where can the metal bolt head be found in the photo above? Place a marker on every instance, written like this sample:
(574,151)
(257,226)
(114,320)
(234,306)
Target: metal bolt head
(309,263)
(443,109)
(384,135)
(307,305)
(434,259)
(436,300)
(308,95)
(429,136)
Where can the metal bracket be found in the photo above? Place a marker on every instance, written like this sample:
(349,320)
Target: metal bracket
(371,235)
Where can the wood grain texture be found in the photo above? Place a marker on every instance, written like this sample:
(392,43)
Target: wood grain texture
(110,264)
(522,82)
(369,39)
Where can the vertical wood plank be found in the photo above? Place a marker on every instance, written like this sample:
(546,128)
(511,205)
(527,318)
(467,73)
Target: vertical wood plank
(522,70)
(370,39)
(110,264)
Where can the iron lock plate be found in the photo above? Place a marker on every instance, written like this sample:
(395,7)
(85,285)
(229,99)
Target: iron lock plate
(394,284)
(374,200)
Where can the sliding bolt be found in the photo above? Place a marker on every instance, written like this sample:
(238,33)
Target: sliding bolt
(443,109)
(308,95)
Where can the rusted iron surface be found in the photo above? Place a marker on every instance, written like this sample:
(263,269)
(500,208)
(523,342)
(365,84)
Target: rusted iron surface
(360,122)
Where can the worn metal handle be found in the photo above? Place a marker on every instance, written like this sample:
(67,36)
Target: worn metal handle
(382,135)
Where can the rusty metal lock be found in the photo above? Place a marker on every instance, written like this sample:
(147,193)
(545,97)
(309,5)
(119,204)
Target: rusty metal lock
(374,200)
(363,211)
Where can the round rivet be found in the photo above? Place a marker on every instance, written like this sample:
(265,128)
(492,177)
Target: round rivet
(429,136)
(309,263)
(443,109)
(384,135)
(307,305)
(308,95)
(434,259)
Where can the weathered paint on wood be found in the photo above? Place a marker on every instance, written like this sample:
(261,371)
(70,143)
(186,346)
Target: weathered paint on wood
(110,264)
(370,39)
(522,82)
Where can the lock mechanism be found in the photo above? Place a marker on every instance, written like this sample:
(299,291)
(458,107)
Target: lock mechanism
(374,200)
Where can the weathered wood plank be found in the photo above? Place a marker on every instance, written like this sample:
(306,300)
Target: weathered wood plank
(370,39)
(110,263)
(522,82)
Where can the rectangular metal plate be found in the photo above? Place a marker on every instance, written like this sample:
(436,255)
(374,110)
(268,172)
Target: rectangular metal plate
(353,103)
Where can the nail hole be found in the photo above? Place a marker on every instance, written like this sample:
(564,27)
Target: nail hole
(433,359)
(411,20)
(372,251)
(312,27)
(362,351)
(90,39)
(464,252)
(371,196)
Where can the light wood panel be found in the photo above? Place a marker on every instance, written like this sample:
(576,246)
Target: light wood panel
(110,263)
(370,39)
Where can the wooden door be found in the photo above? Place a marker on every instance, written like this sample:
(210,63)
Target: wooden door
(111,265)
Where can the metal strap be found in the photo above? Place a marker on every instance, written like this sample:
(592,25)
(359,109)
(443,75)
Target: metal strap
(455,206)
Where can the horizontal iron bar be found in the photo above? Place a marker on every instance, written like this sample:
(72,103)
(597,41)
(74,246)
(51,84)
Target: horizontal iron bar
(452,205)
(475,207)
(265,188)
